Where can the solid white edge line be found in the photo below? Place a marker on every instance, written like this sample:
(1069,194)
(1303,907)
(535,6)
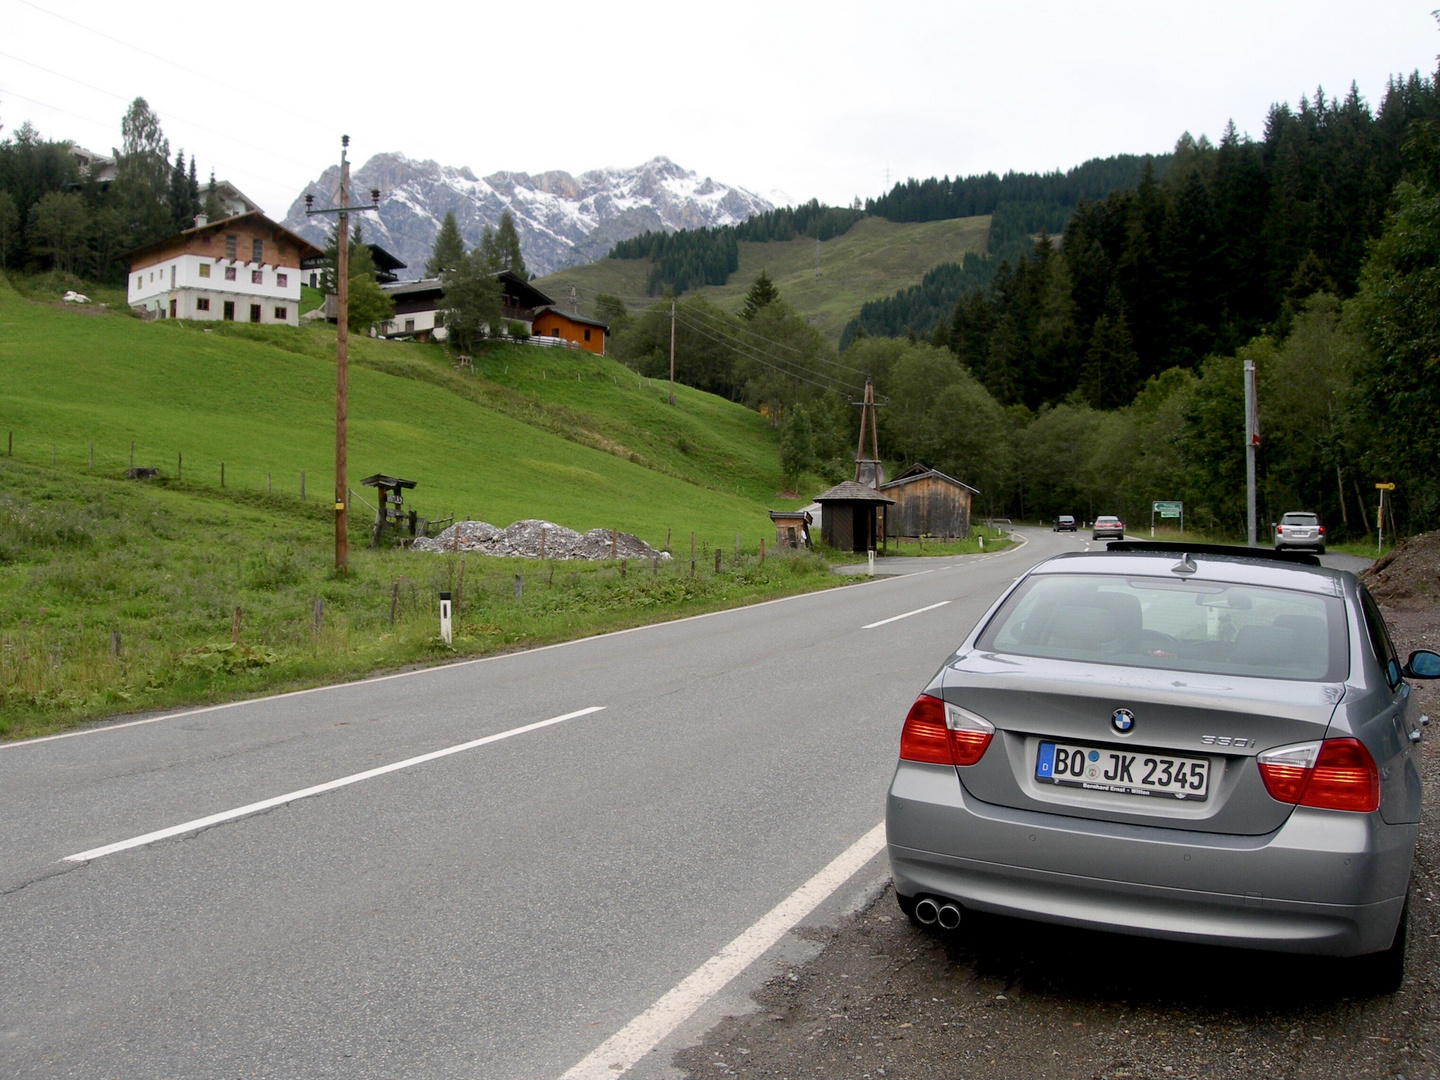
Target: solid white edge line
(617,1054)
(897,618)
(318,789)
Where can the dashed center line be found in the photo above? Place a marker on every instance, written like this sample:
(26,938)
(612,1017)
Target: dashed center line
(896,618)
(318,789)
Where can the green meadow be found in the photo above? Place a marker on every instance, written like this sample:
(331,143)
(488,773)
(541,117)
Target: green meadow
(120,595)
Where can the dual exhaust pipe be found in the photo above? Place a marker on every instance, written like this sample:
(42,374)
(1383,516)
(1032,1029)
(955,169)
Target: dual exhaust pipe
(930,911)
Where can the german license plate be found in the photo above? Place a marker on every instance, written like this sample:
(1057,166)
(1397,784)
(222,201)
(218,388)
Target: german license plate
(1125,772)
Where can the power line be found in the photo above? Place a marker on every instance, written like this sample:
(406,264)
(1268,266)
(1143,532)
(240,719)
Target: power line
(175,117)
(175,64)
(769,360)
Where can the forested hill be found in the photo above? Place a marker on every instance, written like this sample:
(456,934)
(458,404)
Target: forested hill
(1020,205)
(1195,255)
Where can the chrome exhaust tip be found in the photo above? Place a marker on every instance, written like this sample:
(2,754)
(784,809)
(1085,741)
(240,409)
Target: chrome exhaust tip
(927,912)
(948,916)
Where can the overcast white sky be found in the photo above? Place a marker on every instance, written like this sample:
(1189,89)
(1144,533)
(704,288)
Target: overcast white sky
(812,99)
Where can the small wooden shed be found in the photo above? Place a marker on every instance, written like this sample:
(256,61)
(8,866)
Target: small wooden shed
(929,503)
(853,516)
(792,528)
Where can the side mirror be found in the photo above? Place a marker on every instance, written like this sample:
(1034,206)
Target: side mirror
(1423,664)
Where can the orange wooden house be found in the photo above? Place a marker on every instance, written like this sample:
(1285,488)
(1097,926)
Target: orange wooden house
(588,333)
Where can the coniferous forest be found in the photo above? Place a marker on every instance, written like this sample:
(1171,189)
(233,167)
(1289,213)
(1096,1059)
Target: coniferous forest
(1090,361)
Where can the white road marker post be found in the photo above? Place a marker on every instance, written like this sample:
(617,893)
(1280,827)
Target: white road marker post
(445,617)
(871,571)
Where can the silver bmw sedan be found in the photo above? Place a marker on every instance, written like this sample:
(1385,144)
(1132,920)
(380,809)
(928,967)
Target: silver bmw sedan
(1200,743)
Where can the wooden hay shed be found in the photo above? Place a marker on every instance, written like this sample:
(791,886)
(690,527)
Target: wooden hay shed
(792,528)
(853,517)
(929,503)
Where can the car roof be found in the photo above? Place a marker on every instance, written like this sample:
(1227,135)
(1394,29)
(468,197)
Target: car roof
(1237,569)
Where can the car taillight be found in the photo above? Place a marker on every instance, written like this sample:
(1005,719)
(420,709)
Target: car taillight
(1338,774)
(943,734)
(1279,529)
(1320,529)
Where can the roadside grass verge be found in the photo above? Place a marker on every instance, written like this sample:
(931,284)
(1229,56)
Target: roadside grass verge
(993,540)
(167,564)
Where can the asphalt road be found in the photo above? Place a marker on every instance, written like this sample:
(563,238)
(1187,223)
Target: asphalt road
(499,911)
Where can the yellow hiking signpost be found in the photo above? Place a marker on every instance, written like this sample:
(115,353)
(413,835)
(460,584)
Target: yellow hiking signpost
(1380,517)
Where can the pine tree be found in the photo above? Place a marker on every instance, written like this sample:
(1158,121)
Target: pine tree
(762,293)
(507,246)
(214,209)
(192,191)
(448,249)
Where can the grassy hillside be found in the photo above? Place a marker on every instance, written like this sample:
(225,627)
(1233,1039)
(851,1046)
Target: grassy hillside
(873,260)
(531,433)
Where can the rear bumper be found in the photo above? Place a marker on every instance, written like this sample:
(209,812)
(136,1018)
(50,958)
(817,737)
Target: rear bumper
(1323,883)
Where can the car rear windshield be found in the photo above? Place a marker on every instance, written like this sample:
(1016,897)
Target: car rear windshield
(1106,520)
(1199,626)
(1298,519)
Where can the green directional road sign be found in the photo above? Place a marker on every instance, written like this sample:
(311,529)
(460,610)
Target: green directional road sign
(1169,509)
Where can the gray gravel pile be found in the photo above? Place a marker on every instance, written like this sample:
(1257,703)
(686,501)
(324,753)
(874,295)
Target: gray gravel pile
(535,539)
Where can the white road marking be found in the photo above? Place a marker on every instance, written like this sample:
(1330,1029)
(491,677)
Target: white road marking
(896,618)
(318,789)
(621,1051)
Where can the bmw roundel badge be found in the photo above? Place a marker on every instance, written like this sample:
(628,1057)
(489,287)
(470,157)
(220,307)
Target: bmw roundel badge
(1123,721)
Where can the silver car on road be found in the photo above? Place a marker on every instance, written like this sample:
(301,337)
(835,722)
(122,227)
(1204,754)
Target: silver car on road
(1199,743)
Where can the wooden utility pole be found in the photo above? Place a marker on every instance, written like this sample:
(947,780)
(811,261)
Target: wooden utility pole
(867,417)
(342,342)
(672,350)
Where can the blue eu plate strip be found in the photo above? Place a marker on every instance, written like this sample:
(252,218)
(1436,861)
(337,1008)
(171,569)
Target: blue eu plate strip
(1045,766)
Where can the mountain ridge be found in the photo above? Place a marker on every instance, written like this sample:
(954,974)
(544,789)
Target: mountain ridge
(562,219)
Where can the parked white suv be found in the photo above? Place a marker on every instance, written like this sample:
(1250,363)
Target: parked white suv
(1300,530)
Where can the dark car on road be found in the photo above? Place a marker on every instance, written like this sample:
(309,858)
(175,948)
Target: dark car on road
(1300,529)
(1205,744)
(1065,523)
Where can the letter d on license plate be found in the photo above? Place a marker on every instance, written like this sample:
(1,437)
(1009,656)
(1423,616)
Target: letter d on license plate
(1122,771)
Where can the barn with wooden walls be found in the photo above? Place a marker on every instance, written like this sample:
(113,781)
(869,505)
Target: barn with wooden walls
(928,503)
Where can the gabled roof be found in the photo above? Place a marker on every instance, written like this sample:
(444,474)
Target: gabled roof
(304,248)
(920,472)
(524,294)
(850,491)
(415,288)
(584,320)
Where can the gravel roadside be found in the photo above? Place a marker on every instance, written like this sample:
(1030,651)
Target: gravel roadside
(1005,998)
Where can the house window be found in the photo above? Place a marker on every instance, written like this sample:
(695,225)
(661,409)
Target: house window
(257,277)
(202,303)
(254,312)
(257,251)
(204,269)
(587,335)
(282,314)
(232,246)
(282,280)
(140,282)
(229,273)
(409,325)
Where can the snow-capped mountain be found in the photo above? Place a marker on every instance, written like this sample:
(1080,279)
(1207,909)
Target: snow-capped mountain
(562,220)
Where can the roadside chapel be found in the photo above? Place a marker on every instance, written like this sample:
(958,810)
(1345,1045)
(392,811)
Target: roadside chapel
(238,269)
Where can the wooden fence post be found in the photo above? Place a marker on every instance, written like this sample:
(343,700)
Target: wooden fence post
(519,587)
(115,643)
(302,492)
(132,453)
(692,554)
(267,483)
(179,465)
(222,474)
(717,558)
(92,455)
(317,615)
(762,551)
